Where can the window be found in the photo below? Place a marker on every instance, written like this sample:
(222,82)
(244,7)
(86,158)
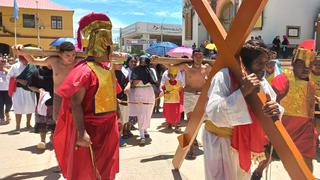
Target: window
(56,22)
(0,19)
(293,31)
(29,21)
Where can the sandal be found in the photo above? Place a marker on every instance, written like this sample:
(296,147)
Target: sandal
(8,119)
(142,142)
(190,155)
(41,145)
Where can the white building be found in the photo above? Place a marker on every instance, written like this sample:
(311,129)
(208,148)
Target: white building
(294,18)
(141,34)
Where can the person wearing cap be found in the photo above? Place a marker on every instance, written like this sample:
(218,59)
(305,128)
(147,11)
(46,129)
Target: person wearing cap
(141,96)
(86,139)
(24,102)
(297,95)
(171,89)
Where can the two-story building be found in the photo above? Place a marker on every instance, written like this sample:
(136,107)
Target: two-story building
(141,34)
(40,22)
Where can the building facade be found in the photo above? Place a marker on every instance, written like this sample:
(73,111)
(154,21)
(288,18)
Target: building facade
(294,18)
(40,22)
(141,34)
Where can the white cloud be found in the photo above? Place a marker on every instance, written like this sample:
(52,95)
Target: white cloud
(138,13)
(161,13)
(78,13)
(116,23)
(131,1)
(133,13)
(176,14)
(92,1)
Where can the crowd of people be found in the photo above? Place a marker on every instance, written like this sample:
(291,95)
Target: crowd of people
(91,105)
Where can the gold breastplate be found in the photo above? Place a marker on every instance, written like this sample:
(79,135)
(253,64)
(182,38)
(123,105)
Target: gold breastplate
(172,95)
(316,80)
(295,102)
(105,99)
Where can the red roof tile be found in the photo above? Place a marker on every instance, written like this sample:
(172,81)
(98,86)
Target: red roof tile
(42,4)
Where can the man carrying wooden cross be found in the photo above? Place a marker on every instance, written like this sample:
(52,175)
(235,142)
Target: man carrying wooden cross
(232,135)
(195,77)
(60,65)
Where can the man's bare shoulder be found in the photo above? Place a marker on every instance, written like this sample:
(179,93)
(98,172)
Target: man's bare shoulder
(206,67)
(53,59)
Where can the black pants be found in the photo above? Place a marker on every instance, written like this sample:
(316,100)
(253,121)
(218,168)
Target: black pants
(5,100)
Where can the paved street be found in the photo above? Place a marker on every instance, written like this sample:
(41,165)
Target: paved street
(20,159)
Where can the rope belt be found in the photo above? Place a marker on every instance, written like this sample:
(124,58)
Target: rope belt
(218,131)
(130,102)
(145,103)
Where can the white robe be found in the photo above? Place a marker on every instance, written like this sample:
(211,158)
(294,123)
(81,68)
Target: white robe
(24,102)
(225,110)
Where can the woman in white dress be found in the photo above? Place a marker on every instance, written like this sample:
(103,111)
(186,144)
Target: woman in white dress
(23,101)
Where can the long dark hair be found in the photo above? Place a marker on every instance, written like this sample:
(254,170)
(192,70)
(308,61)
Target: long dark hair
(253,49)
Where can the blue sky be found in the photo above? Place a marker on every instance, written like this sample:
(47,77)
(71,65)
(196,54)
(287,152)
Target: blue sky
(126,12)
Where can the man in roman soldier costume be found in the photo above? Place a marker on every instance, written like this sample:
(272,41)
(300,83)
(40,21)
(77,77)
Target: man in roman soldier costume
(297,95)
(86,140)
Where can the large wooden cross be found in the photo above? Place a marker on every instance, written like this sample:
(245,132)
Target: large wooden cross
(229,46)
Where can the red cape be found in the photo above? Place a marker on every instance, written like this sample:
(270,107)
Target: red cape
(103,131)
(247,139)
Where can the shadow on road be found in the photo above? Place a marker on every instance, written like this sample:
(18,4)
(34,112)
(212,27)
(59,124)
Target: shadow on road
(176,174)
(135,140)
(52,173)
(14,132)
(163,128)
(157,115)
(318,154)
(34,150)
(157,158)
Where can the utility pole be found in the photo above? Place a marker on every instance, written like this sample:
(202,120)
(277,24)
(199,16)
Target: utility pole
(161,30)
(120,40)
(38,24)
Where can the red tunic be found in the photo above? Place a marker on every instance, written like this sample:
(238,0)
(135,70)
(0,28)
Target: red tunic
(172,113)
(103,131)
(172,110)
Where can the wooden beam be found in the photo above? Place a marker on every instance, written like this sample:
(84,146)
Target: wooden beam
(46,53)
(285,63)
(229,46)
(318,34)
(174,61)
